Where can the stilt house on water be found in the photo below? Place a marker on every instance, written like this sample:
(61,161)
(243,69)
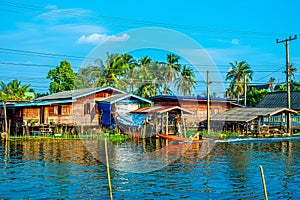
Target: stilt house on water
(251,121)
(83,107)
(197,106)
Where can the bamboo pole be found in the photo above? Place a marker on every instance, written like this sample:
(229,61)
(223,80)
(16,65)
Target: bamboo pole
(107,168)
(5,118)
(263,182)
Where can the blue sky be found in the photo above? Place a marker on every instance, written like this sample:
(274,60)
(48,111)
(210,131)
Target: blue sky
(228,30)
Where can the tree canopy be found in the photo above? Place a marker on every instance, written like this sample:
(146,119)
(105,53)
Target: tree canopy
(62,78)
(143,77)
(14,90)
(239,73)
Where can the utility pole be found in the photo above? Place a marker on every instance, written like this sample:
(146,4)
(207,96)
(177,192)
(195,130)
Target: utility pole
(245,90)
(288,84)
(208,103)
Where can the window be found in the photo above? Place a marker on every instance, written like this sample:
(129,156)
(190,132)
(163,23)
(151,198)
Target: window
(87,108)
(66,109)
(59,110)
(51,110)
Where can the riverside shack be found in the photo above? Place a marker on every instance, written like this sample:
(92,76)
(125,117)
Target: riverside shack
(79,107)
(196,105)
(251,121)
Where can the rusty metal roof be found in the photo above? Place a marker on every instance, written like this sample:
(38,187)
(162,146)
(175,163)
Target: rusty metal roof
(161,109)
(119,97)
(248,114)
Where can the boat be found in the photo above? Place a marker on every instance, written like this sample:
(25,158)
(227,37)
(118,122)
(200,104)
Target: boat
(195,139)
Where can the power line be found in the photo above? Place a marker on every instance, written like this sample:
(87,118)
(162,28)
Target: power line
(139,22)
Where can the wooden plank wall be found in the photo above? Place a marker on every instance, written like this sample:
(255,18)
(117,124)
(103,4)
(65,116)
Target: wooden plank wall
(199,109)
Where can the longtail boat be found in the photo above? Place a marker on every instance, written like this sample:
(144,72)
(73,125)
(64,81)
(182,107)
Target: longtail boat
(195,139)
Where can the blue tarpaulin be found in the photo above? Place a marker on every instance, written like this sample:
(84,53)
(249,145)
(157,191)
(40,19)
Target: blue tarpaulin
(106,114)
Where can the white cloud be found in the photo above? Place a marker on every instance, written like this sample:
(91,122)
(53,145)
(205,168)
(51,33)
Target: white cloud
(55,13)
(97,38)
(235,41)
(74,28)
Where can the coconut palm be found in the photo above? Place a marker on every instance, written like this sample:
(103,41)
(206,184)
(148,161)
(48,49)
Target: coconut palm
(172,70)
(237,74)
(144,77)
(185,83)
(130,69)
(13,90)
(111,73)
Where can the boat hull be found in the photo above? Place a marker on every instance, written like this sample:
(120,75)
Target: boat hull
(181,139)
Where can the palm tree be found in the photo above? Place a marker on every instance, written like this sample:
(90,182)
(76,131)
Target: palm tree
(185,83)
(112,72)
(130,67)
(13,90)
(172,70)
(237,74)
(230,92)
(144,77)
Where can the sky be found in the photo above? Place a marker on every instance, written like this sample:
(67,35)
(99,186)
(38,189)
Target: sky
(37,35)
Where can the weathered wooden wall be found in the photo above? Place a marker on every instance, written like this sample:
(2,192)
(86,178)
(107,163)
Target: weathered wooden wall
(58,114)
(199,109)
(30,113)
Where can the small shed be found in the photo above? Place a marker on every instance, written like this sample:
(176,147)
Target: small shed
(166,119)
(241,119)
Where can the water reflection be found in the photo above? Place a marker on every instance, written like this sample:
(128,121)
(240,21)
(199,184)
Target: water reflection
(146,155)
(73,169)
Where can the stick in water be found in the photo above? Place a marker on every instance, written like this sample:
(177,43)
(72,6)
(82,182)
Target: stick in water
(263,182)
(107,168)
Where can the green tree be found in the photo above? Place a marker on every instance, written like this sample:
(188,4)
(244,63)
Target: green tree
(87,77)
(172,70)
(146,78)
(13,90)
(128,69)
(185,83)
(255,96)
(62,77)
(237,74)
(112,72)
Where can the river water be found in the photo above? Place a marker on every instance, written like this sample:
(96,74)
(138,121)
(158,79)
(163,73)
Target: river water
(149,169)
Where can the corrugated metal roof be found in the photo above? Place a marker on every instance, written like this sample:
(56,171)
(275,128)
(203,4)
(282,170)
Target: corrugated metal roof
(161,109)
(191,98)
(73,94)
(248,114)
(119,97)
(279,99)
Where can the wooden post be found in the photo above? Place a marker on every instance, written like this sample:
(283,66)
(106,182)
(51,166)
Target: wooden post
(281,120)
(208,104)
(162,123)
(167,123)
(8,131)
(184,128)
(107,168)
(269,119)
(258,125)
(263,182)
(5,121)
(5,116)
